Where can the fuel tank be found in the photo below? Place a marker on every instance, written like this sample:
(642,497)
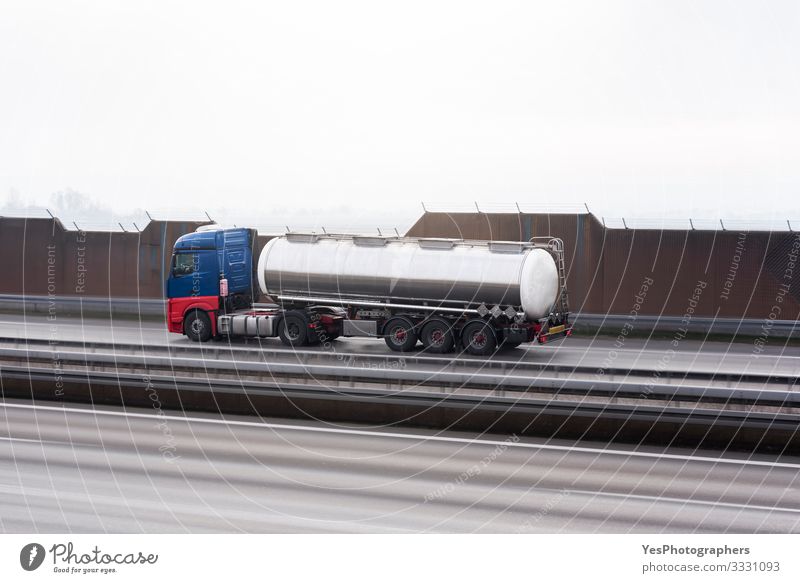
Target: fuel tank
(404,270)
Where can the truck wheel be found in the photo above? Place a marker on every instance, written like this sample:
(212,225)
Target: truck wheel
(197,326)
(437,336)
(400,335)
(478,338)
(293,329)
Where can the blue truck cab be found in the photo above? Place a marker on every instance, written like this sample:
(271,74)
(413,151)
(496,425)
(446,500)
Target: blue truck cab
(203,264)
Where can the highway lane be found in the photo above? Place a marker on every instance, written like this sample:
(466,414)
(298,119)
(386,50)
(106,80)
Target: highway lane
(601,352)
(78,469)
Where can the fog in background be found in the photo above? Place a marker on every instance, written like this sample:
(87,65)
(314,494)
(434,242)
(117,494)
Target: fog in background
(351,114)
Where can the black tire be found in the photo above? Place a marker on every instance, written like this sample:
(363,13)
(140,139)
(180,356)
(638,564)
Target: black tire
(400,335)
(437,336)
(197,326)
(478,338)
(293,329)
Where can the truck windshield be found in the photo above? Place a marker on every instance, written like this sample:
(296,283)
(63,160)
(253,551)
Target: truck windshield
(184,264)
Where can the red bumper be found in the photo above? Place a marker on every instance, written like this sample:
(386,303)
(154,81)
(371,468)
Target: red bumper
(557,333)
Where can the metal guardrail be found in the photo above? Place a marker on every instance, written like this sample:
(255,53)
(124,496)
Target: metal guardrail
(252,350)
(751,411)
(332,372)
(624,412)
(89,306)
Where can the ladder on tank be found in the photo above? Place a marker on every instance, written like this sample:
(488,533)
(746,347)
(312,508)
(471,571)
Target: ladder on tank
(560,310)
(563,299)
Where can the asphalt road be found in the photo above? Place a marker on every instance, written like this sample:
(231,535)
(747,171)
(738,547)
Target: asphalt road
(78,469)
(601,352)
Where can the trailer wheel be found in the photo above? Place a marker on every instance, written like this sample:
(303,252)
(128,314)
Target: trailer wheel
(400,335)
(293,329)
(437,336)
(479,338)
(197,326)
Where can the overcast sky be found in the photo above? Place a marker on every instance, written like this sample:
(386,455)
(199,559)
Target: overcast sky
(362,110)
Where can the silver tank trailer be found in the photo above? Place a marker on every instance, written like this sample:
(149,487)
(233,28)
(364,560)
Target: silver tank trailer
(431,272)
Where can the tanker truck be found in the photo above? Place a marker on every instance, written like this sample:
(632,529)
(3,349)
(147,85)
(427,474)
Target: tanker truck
(447,294)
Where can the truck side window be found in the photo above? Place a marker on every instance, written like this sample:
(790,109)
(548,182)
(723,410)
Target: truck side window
(184,264)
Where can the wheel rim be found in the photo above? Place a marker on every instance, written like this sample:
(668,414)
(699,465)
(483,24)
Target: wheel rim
(437,337)
(399,335)
(293,331)
(197,326)
(479,339)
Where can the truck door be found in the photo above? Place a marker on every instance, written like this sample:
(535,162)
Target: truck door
(193,274)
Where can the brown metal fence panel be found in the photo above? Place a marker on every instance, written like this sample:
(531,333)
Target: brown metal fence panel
(41,257)
(724,274)
(654,272)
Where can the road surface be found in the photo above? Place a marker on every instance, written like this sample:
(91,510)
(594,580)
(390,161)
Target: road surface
(79,469)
